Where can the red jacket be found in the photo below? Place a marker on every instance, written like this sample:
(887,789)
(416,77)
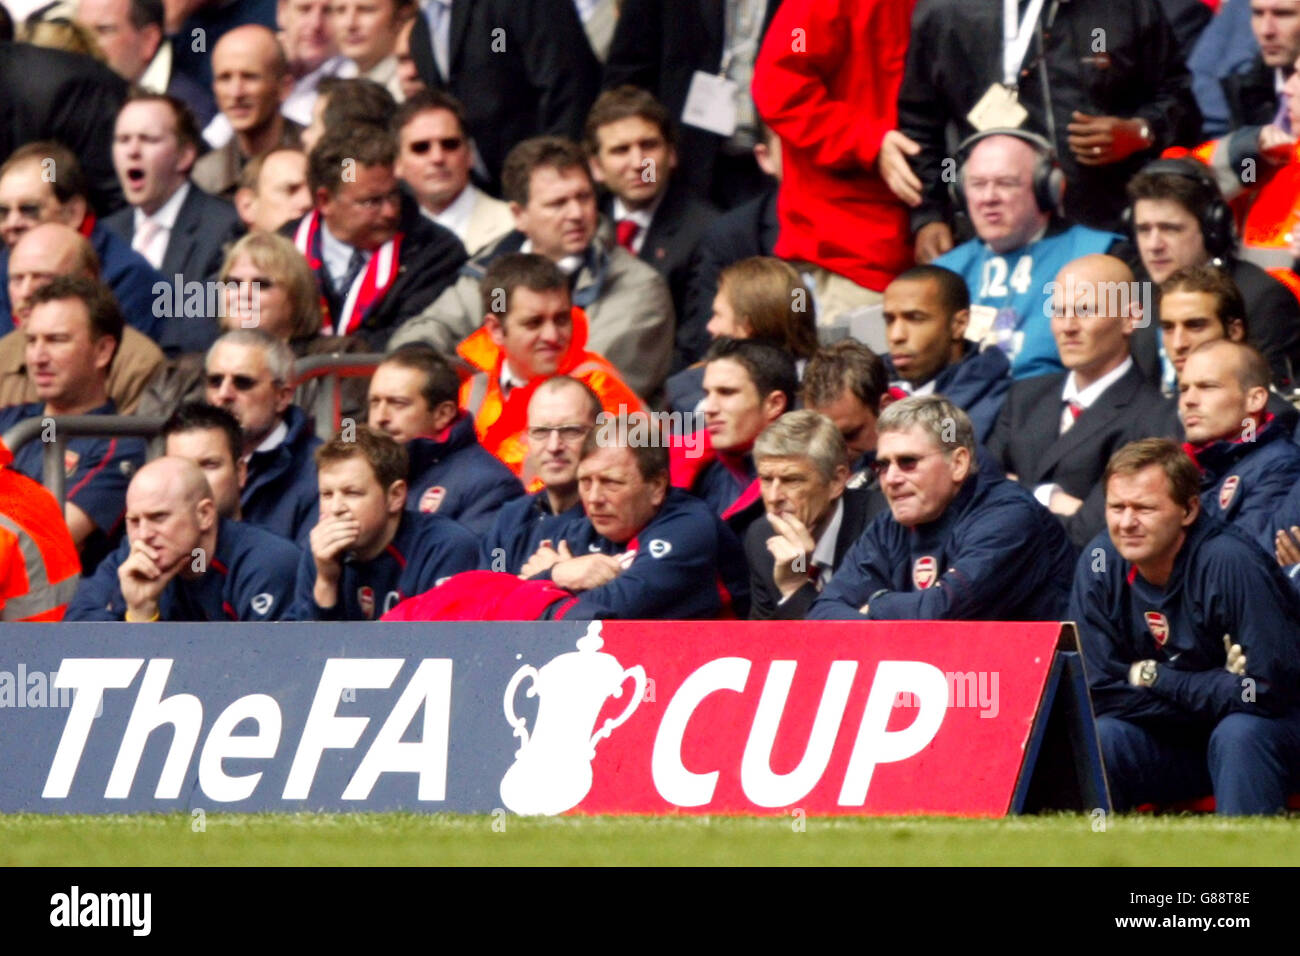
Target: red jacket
(827,81)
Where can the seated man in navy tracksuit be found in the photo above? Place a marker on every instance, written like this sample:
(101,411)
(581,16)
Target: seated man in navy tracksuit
(182,562)
(1248,462)
(1191,637)
(250,374)
(413,398)
(645,551)
(561,413)
(958,544)
(367,551)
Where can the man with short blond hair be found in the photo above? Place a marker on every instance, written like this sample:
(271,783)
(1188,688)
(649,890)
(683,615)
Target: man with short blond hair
(1189,634)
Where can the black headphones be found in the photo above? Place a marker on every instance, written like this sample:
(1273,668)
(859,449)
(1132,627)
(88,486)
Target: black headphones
(1218,228)
(1049,179)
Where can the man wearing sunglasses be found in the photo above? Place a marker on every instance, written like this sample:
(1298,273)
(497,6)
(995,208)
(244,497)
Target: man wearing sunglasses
(561,413)
(413,400)
(377,260)
(250,375)
(959,543)
(434,159)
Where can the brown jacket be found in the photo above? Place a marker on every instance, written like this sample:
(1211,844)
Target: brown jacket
(136,362)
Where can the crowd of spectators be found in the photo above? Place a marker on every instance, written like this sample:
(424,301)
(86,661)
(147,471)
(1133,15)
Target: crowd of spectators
(794,309)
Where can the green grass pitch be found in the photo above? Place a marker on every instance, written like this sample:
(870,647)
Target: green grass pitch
(402,839)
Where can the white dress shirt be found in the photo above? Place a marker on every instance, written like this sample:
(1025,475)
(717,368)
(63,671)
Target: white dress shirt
(150,234)
(1085,397)
(642,217)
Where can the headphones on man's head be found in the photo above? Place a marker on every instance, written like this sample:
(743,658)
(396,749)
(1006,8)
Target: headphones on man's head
(1049,178)
(1218,228)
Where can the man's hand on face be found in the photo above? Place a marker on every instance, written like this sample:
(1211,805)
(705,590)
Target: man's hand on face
(791,548)
(331,537)
(142,581)
(587,572)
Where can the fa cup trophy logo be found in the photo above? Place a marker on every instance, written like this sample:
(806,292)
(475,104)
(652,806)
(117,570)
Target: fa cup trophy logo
(552,768)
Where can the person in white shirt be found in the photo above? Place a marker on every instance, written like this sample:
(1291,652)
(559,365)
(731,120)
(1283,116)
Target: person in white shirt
(434,158)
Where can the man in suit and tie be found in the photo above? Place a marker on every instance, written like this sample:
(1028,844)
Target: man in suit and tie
(434,157)
(1056,432)
(632,142)
(177,227)
(812,516)
(521,68)
(377,260)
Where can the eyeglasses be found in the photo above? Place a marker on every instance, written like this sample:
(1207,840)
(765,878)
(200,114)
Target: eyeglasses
(568,433)
(374,203)
(243,383)
(27,210)
(906,463)
(449,144)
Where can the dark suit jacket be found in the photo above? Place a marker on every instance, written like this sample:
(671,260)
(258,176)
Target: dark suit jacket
(195,251)
(748,230)
(674,236)
(1027,442)
(1272,325)
(537,76)
(429,261)
(860,506)
(50,94)
(1251,95)
(658,45)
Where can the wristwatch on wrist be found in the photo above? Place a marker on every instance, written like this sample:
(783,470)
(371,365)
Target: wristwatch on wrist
(1147,673)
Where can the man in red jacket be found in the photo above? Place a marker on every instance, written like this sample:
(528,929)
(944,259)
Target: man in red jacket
(827,81)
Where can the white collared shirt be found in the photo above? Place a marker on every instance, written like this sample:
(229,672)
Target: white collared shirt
(642,217)
(1071,392)
(164,220)
(568,265)
(508,379)
(271,441)
(456,216)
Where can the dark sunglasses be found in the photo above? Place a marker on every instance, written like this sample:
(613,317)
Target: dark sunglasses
(449,144)
(906,463)
(243,383)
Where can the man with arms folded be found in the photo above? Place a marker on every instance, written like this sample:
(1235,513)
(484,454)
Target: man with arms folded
(181,561)
(959,543)
(413,400)
(645,551)
(561,413)
(812,518)
(1189,633)
(367,552)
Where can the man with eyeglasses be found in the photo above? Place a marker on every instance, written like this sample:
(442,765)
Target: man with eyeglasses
(44,182)
(250,374)
(376,259)
(561,413)
(1011,189)
(960,543)
(434,160)
(530,332)
(1056,432)
(413,400)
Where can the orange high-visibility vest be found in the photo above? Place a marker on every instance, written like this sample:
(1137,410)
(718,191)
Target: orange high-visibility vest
(39,567)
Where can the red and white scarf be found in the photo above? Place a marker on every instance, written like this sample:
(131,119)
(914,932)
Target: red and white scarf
(368,287)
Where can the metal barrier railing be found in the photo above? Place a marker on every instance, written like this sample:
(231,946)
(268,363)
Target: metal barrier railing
(52,431)
(335,368)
